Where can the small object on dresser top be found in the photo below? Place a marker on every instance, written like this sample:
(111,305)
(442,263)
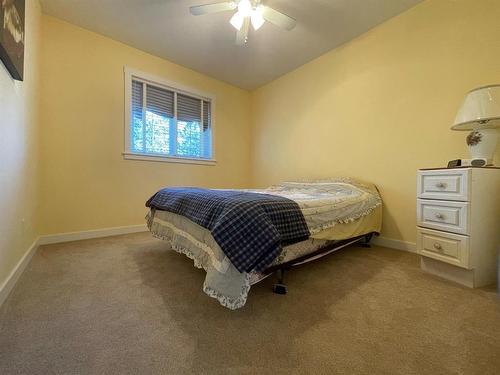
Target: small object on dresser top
(454,163)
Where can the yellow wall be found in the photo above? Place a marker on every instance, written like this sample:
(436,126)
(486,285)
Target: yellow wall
(380,106)
(18,144)
(86,183)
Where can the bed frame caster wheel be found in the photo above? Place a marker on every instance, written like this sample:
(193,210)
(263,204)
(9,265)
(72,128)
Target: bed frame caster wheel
(279,289)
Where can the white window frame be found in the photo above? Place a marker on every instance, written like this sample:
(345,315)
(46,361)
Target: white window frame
(129,74)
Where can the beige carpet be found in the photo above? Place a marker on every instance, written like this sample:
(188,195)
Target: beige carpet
(129,305)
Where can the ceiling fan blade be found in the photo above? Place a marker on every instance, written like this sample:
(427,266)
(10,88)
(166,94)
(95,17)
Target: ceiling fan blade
(212,8)
(279,19)
(242,34)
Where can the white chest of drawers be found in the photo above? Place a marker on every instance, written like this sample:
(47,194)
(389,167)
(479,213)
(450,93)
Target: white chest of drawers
(458,223)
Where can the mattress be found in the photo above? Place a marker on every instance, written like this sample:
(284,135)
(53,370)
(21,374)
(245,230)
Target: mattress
(197,234)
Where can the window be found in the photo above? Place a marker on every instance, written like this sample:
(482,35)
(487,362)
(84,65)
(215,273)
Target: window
(166,122)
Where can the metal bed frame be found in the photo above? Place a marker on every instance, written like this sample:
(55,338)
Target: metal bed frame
(279,269)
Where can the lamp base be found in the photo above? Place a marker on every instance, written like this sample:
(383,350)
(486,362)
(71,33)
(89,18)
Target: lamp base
(482,143)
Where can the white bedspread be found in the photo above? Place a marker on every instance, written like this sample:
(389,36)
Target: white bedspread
(325,203)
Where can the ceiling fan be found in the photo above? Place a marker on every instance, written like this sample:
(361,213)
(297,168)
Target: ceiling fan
(248,11)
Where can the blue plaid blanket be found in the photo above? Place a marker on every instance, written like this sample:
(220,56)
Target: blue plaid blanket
(250,228)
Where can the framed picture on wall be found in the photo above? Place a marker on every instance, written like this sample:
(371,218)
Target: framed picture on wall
(12,36)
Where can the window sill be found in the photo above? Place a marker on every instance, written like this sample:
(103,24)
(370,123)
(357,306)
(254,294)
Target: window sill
(167,159)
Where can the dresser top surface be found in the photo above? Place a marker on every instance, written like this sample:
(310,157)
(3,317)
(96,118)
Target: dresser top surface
(462,167)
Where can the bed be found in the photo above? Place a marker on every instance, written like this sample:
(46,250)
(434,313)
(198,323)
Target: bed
(334,213)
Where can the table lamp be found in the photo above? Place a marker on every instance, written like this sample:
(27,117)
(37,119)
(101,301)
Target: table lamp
(480,112)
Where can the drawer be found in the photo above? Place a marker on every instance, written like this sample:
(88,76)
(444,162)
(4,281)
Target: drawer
(444,184)
(443,215)
(446,247)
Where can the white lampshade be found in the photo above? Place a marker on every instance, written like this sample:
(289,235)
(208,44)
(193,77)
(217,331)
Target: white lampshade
(480,109)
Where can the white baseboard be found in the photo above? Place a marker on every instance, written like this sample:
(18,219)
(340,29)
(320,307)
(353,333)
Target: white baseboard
(88,234)
(16,273)
(395,244)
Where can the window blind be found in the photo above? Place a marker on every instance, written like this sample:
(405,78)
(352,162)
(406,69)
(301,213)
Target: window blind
(206,115)
(188,108)
(137,98)
(160,101)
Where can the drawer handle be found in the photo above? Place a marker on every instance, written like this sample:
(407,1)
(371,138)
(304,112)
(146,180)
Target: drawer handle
(441,185)
(440,216)
(438,246)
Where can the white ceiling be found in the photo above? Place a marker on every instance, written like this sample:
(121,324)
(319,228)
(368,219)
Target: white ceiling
(207,43)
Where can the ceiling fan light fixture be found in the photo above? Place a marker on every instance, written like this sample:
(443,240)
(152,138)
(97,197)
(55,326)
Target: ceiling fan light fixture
(257,18)
(245,8)
(247,12)
(237,20)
